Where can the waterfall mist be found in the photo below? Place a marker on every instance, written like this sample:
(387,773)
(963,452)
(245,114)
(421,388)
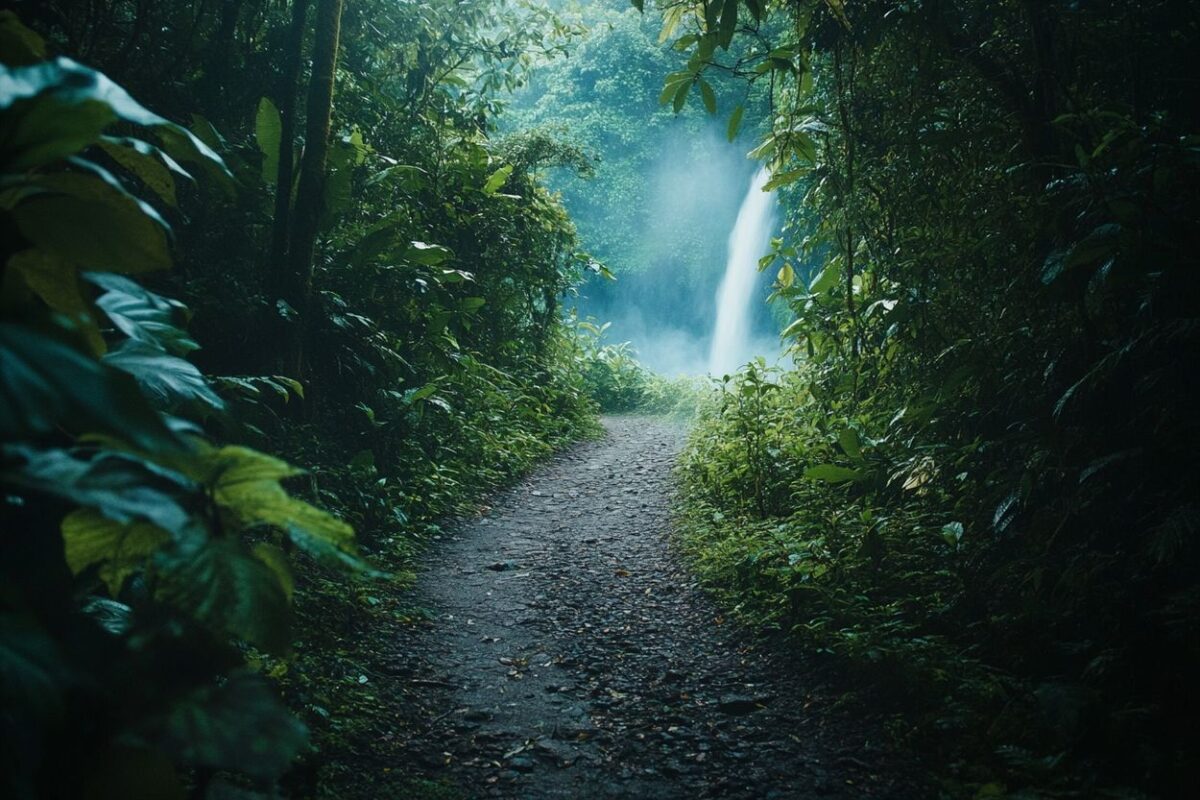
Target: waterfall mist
(674,250)
(749,240)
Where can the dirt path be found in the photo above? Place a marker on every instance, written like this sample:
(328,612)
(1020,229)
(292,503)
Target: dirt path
(569,654)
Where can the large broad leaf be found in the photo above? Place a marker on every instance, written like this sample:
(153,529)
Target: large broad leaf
(497,179)
(1103,242)
(47,387)
(850,443)
(91,223)
(228,590)
(246,483)
(120,487)
(267,132)
(827,278)
(57,108)
(90,539)
(151,165)
(167,380)
(831,473)
(428,254)
(19,45)
(56,282)
(143,315)
(238,725)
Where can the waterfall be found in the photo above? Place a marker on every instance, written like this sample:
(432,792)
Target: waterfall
(748,242)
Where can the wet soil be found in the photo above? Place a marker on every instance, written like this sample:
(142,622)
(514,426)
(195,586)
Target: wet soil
(566,652)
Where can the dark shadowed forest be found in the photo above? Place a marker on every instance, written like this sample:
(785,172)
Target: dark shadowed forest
(448,399)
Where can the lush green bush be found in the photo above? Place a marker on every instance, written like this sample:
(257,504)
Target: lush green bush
(147,596)
(142,560)
(618,382)
(985,451)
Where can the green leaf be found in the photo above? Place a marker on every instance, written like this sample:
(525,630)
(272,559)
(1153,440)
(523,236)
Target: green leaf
(19,46)
(91,224)
(728,25)
(42,130)
(167,380)
(59,107)
(151,165)
(120,549)
(671,84)
(229,591)
(34,673)
(827,278)
(427,254)
(764,150)
(786,276)
(247,483)
(794,328)
(57,283)
(838,7)
(267,132)
(497,179)
(50,387)
(1101,243)
(708,96)
(329,555)
(277,561)
(142,314)
(237,725)
(735,123)
(681,93)
(831,473)
(952,533)
(850,444)
(231,466)
(123,488)
(785,178)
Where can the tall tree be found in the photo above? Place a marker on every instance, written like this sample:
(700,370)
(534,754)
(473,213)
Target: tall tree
(296,280)
(277,258)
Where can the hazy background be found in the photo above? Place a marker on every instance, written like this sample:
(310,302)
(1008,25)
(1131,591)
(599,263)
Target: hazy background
(666,190)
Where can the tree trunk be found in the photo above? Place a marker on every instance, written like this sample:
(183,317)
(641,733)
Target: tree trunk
(296,283)
(277,258)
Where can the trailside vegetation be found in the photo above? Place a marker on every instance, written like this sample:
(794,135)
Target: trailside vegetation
(977,487)
(370,285)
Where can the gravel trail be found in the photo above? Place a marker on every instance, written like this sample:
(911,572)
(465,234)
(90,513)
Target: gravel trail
(569,654)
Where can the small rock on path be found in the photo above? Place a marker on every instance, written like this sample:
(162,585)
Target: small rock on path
(571,655)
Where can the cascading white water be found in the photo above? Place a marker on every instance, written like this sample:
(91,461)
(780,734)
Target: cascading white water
(748,242)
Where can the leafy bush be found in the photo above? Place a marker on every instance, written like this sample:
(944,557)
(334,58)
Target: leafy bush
(618,382)
(979,475)
(141,561)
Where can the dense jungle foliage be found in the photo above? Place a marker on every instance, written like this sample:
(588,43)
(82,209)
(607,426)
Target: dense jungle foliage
(978,485)
(283,286)
(368,286)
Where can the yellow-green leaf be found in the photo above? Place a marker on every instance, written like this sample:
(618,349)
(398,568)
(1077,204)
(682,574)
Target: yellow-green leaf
(56,282)
(89,538)
(277,562)
(786,276)
(147,162)
(246,483)
(94,226)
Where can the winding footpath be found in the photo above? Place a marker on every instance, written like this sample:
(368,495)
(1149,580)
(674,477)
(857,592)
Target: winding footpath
(569,654)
